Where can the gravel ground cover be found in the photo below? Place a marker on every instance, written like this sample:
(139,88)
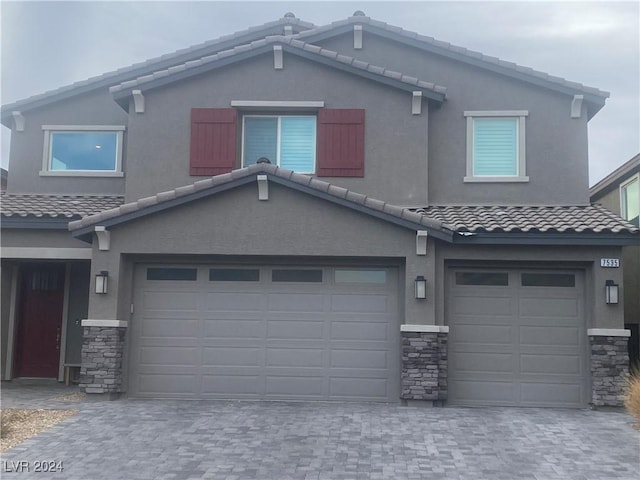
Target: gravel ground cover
(20,424)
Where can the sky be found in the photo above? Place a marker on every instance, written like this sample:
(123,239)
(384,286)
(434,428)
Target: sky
(49,44)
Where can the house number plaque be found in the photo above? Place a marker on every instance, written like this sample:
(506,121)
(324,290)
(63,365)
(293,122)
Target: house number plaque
(610,262)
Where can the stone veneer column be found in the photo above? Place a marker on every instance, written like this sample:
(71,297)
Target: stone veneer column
(609,366)
(424,362)
(102,351)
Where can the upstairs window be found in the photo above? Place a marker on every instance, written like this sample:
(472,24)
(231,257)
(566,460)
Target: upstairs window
(82,150)
(286,140)
(496,146)
(328,144)
(630,200)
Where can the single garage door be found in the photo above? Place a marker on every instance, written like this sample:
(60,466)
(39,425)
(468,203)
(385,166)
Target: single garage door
(267,332)
(517,338)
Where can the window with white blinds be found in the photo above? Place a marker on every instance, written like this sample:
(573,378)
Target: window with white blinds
(288,141)
(496,146)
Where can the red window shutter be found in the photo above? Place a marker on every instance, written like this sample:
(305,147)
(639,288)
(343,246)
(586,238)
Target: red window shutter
(340,143)
(213,141)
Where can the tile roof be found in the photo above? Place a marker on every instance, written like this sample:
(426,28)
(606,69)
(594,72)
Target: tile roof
(460,52)
(524,218)
(179,56)
(314,50)
(14,205)
(196,190)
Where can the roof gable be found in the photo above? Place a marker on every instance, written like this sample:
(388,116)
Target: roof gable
(194,52)
(615,178)
(593,96)
(402,217)
(290,45)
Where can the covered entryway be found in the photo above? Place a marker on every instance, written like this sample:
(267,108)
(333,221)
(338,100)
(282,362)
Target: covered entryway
(265,332)
(40,311)
(517,337)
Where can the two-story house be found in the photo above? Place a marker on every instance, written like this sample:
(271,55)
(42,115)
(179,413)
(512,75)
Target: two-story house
(344,212)
(620,192)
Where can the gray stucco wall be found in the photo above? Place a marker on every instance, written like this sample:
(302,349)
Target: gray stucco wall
(398,144)
(630,264)
(236,223)
(599,314)
(395,140)
(556,149)
(79,283)
(27,147)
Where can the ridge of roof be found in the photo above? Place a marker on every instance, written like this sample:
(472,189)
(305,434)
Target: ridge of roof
(212,185)
(457,51)
(609,182)
(257,45)
(178,56)
(528,218)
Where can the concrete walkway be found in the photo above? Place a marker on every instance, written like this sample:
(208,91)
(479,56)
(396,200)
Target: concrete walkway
(135,439)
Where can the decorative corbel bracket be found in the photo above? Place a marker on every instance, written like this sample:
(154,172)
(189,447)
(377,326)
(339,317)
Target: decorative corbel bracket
(357,37)
(416,103)
(278,60)
(18,121)
(104,237)
(138,101)
(576,106)
(263,187)
(421,242)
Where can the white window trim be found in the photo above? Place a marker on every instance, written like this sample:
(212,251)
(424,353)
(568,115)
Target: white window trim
(46,155)
(521,176)
(277,159)
(623,185)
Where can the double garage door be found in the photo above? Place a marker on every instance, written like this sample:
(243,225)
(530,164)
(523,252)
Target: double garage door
(517,337)
(265,332)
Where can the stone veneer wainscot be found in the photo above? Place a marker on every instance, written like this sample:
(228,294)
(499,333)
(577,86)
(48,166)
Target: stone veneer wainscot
(102,351)
(424,363)
(609,366)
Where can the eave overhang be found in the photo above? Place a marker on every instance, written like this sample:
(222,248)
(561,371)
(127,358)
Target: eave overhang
(36,223)
(547,238)
(594,101)
(123,92)
(402,217)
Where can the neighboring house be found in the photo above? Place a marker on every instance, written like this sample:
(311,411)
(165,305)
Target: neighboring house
(422,232)
(620,193)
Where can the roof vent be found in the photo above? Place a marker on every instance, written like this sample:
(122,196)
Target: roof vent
(263,160)
(289,15)
(359,13)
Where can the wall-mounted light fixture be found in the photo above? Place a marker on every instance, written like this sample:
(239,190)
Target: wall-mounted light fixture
(101,282)
(421,287)
(611,292)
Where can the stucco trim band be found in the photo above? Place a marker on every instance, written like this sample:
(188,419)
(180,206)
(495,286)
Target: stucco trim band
(47,252)
(105,323)
(608,332)
(424,328)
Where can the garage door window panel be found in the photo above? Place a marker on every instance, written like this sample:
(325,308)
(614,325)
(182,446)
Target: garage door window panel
(234,275)
(497,279)
(360,276)
(296,276)
(175,274)
(548,280)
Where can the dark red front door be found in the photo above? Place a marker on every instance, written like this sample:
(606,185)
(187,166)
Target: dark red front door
(40,320)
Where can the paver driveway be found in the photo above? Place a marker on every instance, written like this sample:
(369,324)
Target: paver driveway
(131,439)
